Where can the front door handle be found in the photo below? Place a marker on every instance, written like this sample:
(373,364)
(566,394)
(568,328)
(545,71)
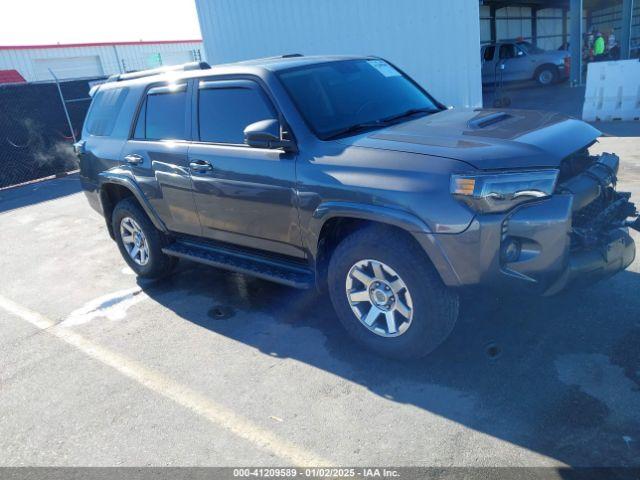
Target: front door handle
(201,166)
(133,159)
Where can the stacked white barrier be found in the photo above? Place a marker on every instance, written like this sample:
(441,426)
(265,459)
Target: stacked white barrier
(613,91)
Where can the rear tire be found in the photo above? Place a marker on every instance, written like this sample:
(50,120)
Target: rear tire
(140,243)
(423,309)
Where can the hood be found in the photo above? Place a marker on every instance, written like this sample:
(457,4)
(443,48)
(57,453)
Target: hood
(486,139)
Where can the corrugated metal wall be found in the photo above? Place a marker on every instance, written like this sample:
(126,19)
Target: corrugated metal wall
(88,61)
(514,22)
(436,42)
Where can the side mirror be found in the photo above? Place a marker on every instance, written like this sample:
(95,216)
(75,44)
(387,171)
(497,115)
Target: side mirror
(266,134)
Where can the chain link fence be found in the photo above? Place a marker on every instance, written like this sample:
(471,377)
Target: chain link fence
(35,137)
(35,140)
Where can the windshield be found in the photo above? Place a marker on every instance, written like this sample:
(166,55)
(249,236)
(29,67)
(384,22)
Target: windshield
(529,48)
(340,96)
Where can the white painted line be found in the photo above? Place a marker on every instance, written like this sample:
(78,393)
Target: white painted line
(181,394)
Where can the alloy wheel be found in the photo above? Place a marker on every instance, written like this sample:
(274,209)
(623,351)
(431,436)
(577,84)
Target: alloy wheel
(134,241)
(379,298)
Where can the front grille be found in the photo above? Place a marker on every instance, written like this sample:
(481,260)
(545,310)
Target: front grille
(592,223)
(585,216)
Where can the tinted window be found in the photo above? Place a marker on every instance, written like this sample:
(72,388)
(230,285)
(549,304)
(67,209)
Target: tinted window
(338,95)
(105,107)
(164,116)
(489,52)
(224,113)
(507,50)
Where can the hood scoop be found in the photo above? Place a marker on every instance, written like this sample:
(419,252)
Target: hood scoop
(488,120)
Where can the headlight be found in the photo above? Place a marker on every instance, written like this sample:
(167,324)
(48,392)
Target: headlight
(498,192)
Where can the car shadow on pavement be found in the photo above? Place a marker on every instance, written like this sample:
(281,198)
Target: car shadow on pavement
(559,376)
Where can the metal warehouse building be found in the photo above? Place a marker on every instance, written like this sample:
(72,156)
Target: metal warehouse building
(434,41)
(91,60)
(437,42)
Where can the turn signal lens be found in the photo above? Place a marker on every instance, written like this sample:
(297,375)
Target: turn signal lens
(463,185)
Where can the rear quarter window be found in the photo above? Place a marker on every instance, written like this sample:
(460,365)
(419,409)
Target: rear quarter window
(488,53)
(104,111)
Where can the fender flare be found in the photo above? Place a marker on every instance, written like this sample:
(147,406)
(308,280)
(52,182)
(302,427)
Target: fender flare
(399,218)
(123,178)
(408,222)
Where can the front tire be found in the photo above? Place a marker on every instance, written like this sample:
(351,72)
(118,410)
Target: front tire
(387,294)
(546,75)
(140,243)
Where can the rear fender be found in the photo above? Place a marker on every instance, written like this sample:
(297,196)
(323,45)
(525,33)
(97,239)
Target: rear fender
(123,178)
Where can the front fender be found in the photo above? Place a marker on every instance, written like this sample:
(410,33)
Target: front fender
(408,222)
(392,216)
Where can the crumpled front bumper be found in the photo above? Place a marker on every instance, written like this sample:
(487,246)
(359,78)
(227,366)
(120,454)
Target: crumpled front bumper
(551,258)
(589,266)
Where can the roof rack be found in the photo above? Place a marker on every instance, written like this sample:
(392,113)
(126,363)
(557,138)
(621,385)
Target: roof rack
(158,71)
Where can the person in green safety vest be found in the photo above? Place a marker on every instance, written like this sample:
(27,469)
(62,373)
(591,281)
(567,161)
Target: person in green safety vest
(598,46)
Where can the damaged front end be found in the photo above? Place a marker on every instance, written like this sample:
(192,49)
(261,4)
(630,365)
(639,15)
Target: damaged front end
(600,244)
(577,235)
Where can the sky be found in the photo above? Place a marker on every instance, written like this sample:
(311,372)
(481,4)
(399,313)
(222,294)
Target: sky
(35,22)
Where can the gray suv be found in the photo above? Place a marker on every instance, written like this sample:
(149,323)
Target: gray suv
(342,173)
(518,60)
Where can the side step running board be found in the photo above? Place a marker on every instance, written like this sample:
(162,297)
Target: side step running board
(248,263)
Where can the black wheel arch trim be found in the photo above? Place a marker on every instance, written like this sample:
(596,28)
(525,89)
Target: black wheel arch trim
(408,222)
(123,178)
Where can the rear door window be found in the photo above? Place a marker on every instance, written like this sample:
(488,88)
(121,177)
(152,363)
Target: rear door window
(226,108)
(489,52)
(105,108)
(163,114)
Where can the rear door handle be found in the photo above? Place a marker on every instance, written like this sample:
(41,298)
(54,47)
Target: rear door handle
(133,159)
(201,166)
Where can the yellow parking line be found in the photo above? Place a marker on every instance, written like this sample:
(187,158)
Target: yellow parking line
(181,394)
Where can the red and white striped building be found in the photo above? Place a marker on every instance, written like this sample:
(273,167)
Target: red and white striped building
(32,63)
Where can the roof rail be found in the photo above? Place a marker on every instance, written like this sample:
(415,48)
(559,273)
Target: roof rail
(291,55)
(158,71)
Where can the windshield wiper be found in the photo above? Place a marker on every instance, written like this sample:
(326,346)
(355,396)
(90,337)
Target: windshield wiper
(356,128)
(407,113)
(383,122)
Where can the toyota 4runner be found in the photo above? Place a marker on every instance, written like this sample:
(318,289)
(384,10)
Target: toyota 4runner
(343,172)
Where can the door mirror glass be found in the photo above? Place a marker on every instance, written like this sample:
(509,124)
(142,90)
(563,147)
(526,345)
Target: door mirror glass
(265,134)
